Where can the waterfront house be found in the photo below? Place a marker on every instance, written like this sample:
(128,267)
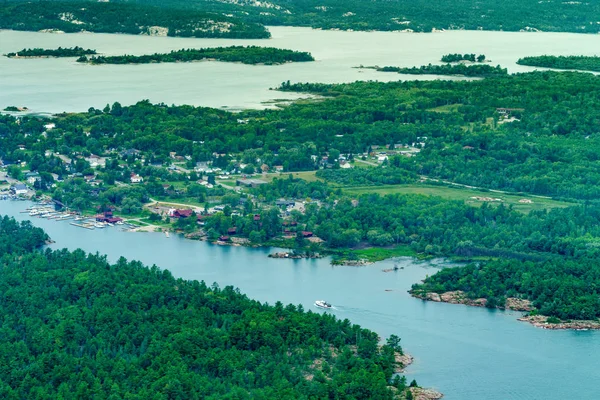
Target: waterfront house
(18,189)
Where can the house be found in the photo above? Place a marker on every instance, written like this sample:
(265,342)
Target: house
(232,231)
(96,161)
(18,189)
(181,213)
(201,166)
(285,203)
(224,238)
(135,178)
(307,234)
(279,168)
(32,177)
(257,217)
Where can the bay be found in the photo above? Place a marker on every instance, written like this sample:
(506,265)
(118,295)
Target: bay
(52,85)
(465,352)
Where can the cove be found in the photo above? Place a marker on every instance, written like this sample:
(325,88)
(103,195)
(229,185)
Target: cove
(466,353)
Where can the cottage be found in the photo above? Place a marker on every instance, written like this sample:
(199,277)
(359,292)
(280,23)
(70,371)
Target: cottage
(18,189)
(232,231)
(307,234)
(96,161)
(135,178)
(224,238)
(32,177)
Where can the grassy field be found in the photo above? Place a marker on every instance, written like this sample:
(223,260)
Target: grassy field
(457,193)
(309,176)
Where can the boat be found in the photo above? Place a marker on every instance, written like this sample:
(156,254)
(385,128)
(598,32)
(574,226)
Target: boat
(323,304)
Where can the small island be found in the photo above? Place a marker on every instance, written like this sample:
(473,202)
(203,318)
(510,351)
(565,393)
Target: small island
(451,58)
(480,71)
(15,109)
(241,54)
(585,63)
(60,52)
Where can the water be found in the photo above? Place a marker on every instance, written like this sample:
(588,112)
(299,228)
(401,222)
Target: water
(56,85)
(465,352)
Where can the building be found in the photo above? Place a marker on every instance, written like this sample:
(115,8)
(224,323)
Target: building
(181,213)
(96,161)
(250,182)
(18,189)
(32,177)
(135,178)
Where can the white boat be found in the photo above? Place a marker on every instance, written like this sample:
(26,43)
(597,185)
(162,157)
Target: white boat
(100,225)
(323,304)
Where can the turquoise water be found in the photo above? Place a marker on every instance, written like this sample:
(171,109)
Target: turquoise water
(467,353)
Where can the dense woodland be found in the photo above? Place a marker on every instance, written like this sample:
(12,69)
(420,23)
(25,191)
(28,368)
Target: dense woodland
(481,71)
(60,52)
(392,15)
(243,54)
(565,289)
(75,326)
(456,57)
(111,17)
(585,63)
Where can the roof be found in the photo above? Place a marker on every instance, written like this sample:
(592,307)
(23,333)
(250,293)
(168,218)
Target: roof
(20,186)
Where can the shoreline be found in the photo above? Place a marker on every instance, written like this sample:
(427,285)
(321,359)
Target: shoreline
(512,304)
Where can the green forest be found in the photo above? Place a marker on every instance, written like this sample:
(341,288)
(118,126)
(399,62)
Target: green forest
(59,52)
(480,71)
(242,54)
(585,63)
(456,57)
(76,326)
(391,15)
(135,19)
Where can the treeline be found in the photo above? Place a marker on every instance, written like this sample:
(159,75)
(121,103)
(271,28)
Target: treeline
(75,326)
(368,176)
(456,57)
(136,19)
(243,54)
(60,52)
(567,289)
(586,63)
(418,16)
(449,69)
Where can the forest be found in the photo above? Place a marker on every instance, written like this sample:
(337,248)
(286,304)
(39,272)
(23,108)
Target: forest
(242,54)
(76,326)
(456,57)
(251,17)
(480,71)
(565,289)
(585,63)
(59,52)
(135,19)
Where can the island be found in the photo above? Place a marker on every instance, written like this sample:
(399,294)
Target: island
(241,54)
(456,57)
(144,332)
(447,69)
(584,63)
(59,52)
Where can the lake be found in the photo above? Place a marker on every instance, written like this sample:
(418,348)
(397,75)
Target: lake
(57,84)
(465,352)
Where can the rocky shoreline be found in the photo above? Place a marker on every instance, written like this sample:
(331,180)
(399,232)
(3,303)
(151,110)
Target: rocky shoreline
(514,304)
(294,256)
(541,321)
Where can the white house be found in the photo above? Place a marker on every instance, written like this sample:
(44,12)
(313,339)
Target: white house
(135,178)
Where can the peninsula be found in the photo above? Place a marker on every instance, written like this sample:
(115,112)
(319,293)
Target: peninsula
(584,63)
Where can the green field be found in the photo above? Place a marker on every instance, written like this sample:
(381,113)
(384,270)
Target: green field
(458,193)
(309,176)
